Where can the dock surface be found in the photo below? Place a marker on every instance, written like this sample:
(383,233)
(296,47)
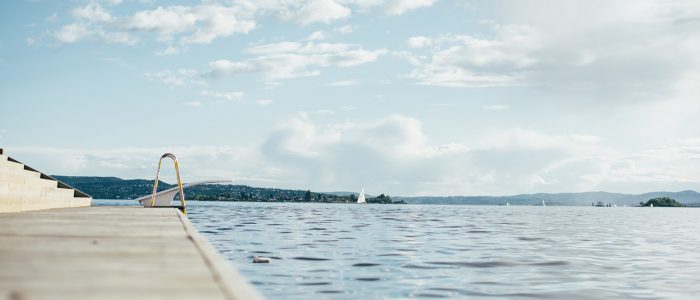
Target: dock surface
(111,253)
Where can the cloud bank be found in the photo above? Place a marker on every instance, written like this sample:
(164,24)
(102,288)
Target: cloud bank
(394,155)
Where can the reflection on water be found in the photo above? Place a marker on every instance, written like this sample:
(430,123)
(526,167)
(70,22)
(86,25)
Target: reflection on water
(346,251)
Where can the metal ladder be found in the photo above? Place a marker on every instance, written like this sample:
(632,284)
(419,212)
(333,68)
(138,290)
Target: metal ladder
(183,205)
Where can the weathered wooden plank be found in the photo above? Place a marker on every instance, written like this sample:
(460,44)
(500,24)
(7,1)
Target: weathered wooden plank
(111,253)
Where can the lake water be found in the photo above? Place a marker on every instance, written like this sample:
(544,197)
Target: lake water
(341,251)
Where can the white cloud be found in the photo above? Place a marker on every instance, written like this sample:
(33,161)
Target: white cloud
(393,7)
(117,38)
(192,104)
(72,33)
(166,21)
(244,165)
(526,139)
(344,29)
(679,108)
(199,24)
(229,96)
(316,35)
(377,155)
(76,32)
(89,25)
(323,11)
(398,7)
(570,46)
(669,168)
(217,22)
(211,20)
(626,52)
(170,50)
(113,2)
(92,12)
(343,83)
(467,61)
(181,77)
(419,42)
(286,60)
(302,137)
(393,154)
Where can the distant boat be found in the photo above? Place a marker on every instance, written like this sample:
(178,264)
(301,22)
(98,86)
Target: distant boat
(361,197)
(507,204)
(651,204)
(543,203)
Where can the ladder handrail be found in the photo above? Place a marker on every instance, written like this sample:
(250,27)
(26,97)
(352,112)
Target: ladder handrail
(179,182)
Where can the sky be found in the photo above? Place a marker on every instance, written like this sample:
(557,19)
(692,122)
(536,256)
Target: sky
(403,97)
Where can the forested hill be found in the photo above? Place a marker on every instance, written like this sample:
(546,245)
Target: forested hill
(112,187)
(116,188)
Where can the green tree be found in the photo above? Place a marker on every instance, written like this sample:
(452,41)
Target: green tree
(663,202)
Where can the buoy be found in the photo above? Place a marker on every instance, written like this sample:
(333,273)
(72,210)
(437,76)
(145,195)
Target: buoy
(261,260)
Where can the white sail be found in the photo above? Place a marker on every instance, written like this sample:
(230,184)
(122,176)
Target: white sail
(361,197)
(543,203)
(507,204)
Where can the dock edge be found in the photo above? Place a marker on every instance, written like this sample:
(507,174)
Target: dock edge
(232,284)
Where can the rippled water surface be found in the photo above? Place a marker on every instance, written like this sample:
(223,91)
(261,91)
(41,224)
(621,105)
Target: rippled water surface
(430,251)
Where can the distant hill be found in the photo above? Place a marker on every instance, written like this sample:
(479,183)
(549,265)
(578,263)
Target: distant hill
(116,188)
(112,187)
(348,194)
(585,198)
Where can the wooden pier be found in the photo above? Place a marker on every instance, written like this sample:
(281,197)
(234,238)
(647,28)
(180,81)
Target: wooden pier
(128,253)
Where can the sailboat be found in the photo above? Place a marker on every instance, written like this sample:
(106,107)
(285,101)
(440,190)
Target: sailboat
(507,204)
(651,204)
(543,203)
(361,197)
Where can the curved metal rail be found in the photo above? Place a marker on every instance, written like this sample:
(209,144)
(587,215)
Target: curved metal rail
(164,198)
(179,182)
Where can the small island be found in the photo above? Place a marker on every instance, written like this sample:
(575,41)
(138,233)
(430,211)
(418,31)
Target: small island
(662,202)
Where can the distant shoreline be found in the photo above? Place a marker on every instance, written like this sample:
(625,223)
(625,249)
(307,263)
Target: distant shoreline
(252,201)
(116,188)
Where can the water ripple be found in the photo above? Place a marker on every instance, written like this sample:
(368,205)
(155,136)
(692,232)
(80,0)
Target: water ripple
(432,251)
(310,258)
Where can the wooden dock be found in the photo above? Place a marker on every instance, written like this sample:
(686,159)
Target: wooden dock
(128,253)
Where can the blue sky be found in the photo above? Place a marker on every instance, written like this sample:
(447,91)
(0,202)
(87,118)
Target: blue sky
(406,97)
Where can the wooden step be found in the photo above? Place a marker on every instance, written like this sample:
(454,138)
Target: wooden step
(23,173)
(6,164)
(23,188)
(27,180)
(7,188)
(18,203)
(31,203)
